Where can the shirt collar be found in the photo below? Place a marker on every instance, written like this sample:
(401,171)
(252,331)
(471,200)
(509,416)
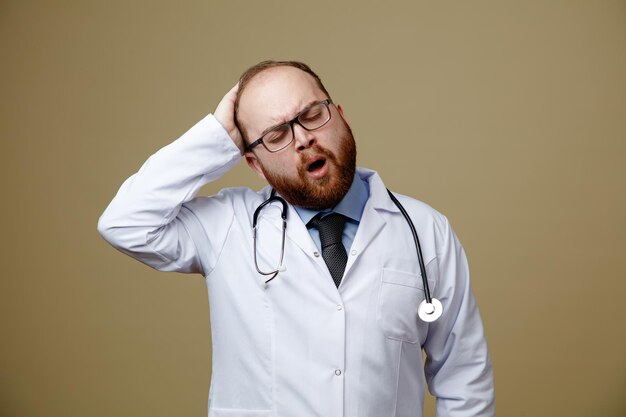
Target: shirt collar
(351,205)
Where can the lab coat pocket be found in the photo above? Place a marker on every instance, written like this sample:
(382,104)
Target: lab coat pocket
(399,298)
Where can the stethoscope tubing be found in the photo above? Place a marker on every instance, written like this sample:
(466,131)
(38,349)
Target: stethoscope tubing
(283,214)
(429,310)
(417,246)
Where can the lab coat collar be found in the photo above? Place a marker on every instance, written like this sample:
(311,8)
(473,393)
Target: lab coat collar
(379,199)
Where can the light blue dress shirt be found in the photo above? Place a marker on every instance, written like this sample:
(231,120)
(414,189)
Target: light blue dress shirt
(351,206)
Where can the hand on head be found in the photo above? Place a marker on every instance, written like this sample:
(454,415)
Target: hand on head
(225,114)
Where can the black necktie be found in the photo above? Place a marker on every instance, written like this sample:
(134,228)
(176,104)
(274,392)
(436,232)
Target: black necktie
(333,251)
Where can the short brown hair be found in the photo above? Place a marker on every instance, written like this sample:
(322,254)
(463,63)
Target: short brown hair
(264,65)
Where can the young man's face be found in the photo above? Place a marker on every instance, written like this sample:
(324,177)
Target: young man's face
(317,168)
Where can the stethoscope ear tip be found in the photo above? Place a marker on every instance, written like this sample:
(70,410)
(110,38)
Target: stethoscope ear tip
(430,312)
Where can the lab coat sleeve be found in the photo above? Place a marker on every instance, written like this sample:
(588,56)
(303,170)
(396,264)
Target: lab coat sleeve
(147,218)
(458,365)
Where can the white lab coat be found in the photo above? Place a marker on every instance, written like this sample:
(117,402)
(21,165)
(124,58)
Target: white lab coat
(302,347)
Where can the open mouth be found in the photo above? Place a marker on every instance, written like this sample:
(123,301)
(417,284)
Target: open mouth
(317,168)
(316,165)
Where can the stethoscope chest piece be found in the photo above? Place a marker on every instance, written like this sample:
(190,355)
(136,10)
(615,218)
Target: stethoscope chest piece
(430,312)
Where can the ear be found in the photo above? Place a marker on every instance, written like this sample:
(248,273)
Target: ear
(342,114)
(254,164)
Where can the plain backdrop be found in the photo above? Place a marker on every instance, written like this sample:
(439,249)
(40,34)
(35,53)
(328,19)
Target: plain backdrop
(508,117)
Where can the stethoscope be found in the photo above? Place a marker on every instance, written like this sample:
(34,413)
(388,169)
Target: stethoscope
(429,310)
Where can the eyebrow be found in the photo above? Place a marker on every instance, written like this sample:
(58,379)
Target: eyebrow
(297,114)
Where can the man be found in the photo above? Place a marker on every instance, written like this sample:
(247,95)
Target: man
(304,324)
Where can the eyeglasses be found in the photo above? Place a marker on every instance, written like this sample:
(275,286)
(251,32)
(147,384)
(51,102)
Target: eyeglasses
(279,137)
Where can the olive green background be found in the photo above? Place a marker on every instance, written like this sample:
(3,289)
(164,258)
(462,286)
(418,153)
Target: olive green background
(508,117)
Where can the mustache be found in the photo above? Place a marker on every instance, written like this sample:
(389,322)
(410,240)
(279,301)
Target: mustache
(314,150)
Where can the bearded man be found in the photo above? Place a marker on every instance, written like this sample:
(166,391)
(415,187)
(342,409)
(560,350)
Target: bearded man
(314,284)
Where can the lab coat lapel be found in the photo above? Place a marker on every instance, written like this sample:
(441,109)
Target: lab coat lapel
(373,218)
(371,224)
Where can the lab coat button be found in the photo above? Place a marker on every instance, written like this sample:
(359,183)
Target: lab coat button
(316,254)
(339,307)
(337,372)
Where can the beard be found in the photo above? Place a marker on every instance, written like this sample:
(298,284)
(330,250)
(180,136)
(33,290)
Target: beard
(304,191)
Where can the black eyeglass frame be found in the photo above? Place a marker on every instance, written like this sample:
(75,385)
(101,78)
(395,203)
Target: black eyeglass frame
(291,122)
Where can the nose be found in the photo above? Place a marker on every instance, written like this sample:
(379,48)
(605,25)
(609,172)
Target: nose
(304,138)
